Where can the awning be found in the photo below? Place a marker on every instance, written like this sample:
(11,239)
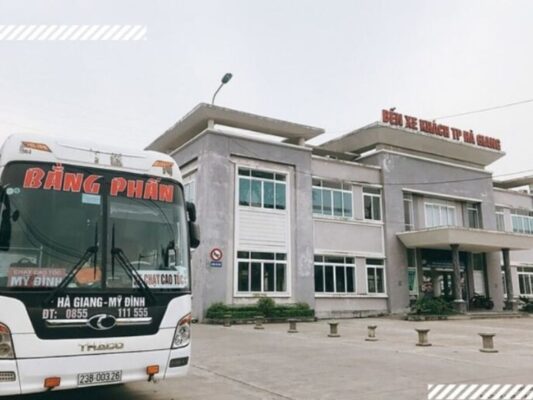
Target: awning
(468,239)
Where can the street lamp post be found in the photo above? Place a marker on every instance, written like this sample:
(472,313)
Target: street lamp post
(225,79)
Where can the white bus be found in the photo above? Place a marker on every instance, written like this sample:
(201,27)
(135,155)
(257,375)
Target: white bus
(95,281)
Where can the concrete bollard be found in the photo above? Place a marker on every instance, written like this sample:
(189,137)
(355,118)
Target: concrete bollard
(423,340)
(227,320)
(488,343)
(292,326)
(371,334)
(333,329)
(259,322)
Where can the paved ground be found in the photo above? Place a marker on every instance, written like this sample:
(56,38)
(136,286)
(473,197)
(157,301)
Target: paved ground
(243,363)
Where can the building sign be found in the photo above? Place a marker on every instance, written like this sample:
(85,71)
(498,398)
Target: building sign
(216,254)
(431,127)
(216,258)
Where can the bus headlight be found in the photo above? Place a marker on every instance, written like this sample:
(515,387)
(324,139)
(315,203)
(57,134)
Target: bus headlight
(6,344)
(182,335)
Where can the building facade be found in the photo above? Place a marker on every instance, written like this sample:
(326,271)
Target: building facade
(360,225)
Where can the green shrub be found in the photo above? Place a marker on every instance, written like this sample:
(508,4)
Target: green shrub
(217,307)
(266,305)
(432,306)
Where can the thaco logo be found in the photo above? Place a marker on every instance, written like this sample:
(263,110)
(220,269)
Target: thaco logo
(101,346)
(102,322)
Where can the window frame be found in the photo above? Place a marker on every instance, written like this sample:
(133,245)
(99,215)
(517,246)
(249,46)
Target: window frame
(440,207)
(345,265)
(343,191)
(376,267)
(525,273)
(372,195)
(408,198)
(476,208)
(275,182)
(500,217)
(262,261)
(525,220)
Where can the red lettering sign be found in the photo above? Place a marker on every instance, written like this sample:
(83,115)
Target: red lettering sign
(33,178)
(118,185)
(395,119)
(59,180)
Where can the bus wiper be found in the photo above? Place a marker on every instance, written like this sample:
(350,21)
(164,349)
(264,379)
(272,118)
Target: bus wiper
(118,253)
(90,252)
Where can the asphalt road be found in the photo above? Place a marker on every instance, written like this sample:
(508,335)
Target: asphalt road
(242,363)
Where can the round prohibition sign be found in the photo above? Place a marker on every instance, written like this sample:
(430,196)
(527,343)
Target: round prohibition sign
(216,254)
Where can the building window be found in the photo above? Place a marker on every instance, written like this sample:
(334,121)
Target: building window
(332,199)
(408,211)
(261,272)
(334,274)
(472,211)
(525,280)
(189,191)
(262,189)
(375,273)
(439,215)
(500,220)
(372,203)
(522,221)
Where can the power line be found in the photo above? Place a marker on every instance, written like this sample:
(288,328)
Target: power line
(481,110)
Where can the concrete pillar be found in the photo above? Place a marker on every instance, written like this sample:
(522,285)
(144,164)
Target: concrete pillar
(435,282)
(459,302)
(494,279)
(419,272)
(510,303)
(470,276)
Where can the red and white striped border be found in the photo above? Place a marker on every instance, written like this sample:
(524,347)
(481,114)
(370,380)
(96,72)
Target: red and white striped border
(72,32)
(480,392)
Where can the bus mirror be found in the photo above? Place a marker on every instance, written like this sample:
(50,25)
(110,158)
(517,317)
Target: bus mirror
(5,230)
(191,211)
(194,235)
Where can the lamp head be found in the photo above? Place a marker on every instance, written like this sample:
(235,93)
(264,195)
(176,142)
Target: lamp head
(226,78)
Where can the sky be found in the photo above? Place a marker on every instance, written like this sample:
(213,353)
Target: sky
(332,64)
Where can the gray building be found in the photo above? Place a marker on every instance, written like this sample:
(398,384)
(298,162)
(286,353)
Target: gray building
(360,225)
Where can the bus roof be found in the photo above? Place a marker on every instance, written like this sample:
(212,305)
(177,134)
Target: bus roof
(39,148)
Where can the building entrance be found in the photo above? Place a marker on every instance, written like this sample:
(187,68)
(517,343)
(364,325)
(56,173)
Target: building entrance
(438,276)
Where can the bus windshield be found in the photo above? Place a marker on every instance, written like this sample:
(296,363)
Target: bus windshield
(59,220)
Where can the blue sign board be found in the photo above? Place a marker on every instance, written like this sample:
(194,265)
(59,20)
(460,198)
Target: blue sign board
(216,264)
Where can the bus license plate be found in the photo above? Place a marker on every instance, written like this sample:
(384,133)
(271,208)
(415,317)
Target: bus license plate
(96,378)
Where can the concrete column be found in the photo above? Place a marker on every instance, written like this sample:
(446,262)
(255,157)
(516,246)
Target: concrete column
(435,282)
(470,276)
(494,280)
(459,303)
(419,272)
(510,304)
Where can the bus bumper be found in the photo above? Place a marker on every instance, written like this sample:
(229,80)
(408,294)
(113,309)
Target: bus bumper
(31,373)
